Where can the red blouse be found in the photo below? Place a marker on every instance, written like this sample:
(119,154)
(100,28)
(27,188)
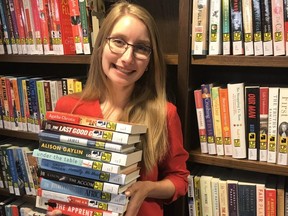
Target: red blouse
(172,168)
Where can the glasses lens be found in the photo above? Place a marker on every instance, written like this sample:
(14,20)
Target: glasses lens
(117,45)
(141,51)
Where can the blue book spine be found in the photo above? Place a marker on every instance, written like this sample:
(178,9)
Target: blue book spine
(76,190)
(7,37)
(82,171)
(23,124)
(34,103)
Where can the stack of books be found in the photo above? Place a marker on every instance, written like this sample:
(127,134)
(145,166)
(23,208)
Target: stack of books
(86,164)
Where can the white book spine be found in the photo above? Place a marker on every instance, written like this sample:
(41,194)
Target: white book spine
(206,195)
(237,119)
(248,27)
(215,32)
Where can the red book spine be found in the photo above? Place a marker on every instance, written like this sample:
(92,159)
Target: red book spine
(20,25)
(37,26)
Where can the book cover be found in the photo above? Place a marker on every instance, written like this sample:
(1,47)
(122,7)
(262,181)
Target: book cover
(237,27)
(81,201)
(237,119)
(76,190)
(91,153)
(247,16)
(123,127)
(225,120)
(226,37)
(201,120)
(281,148)
(200,20)
(263,133)
(252,121)
(266,13)
(257,27)
(88,173)
(91,133)
(207,105)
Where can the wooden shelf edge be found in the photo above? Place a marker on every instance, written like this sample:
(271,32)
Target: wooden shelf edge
(252,61)
(224,161)
(19,134)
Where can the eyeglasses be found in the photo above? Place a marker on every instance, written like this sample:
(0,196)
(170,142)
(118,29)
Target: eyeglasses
(119,46)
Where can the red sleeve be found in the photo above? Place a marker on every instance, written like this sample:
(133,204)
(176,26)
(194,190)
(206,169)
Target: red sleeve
(174,166)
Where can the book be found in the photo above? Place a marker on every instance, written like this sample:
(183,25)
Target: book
(280,193)
(200,20)
(57,137)
(206,194)
(215,28)
(12,25)
(226,37)
(277,9)
(191,195)
(263,133)
(266,13)
(89,183)
(96,165)
(81,201)
(201,120)
(232,188)
(257,27)
(225,120)
(122,127)
(91,133)
(86,31)
(247,198)
(5,200)
(121,178)
(67,149)
(248,34)
(76,190)
(236,27)
(5,162)
(15,207)
(273,108)
(37,27)
(216,115)
(68,209)
(22,49)
(271,196)
(285,14)
(237,119)
(282,145)
(252,121)
(6,31)
(208,115)
(223,194)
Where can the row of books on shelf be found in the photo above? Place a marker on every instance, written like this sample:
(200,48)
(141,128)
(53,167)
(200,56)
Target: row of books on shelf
(243,121)
(84,164)
(239,27)
(25,100)
(49,27)
(222,191)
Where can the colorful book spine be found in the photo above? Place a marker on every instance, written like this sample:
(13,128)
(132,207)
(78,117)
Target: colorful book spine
(81,201)
(207,104)
(257,27)
(6,33)
(96,122)
(47,96)
(263,134)
(91,133)
(85,27)
(273,124)
(2,47)
(201,120)
(215,28)
(41,100)
(76,190)
(31,40)
(34,112)
(237,119)
(252,121)
(200,19)
(226,36)
(278,27)
(20,41)
(232,187)
(16,103)
(91,153)
(37,27)
(266,13)
(248,27)
(237,27)
(12,25)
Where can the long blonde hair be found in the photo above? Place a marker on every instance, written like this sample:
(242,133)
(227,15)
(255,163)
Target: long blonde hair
(148,102)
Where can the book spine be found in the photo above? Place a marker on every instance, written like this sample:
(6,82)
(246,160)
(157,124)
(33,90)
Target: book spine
(237,27)
(247,199)
(6,116)
(260,203)
(5,162)
(82,191)
(200,27)
(267,27)
(223,198)
(226,37)
(282,127)
(225,120)
(25,105)
(215,196)
(232,197)
(205,193)
(89,132)
(263,133)
(2,47)
(286,26)
(237,119)
(216,112)
(191,196)
(53,93)
(252,121)
(215,28)
(270,202)
(37,26)
(47,96)
(10,105)
(85,28)
(16,15)
(76,200)
(89,183)
(201,121)
(41,100)
(248,27)
(278,27)
(84,172)
(5,24)
(273,124)
(11,18)
(16,104)
(34,105)
(257,27)
(198,207)
(96,165)
(207,104)
(31,40)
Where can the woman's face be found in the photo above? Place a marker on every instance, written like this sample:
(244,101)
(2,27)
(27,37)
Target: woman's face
(124,69)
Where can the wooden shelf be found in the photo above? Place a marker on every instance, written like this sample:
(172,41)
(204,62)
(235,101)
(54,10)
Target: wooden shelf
(252,61)
(171,59)
(224,161)
(19,134)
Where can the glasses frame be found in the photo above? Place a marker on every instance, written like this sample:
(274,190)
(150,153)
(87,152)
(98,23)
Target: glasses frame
(127,46)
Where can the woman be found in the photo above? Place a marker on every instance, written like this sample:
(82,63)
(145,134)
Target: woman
(126,82)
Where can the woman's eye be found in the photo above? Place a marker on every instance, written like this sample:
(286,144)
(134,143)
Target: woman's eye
(119,42)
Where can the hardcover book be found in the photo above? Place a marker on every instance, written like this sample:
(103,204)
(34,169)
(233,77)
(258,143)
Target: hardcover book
(226,36)
(266,13)
(257,27)
(263,134)
(248,27)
